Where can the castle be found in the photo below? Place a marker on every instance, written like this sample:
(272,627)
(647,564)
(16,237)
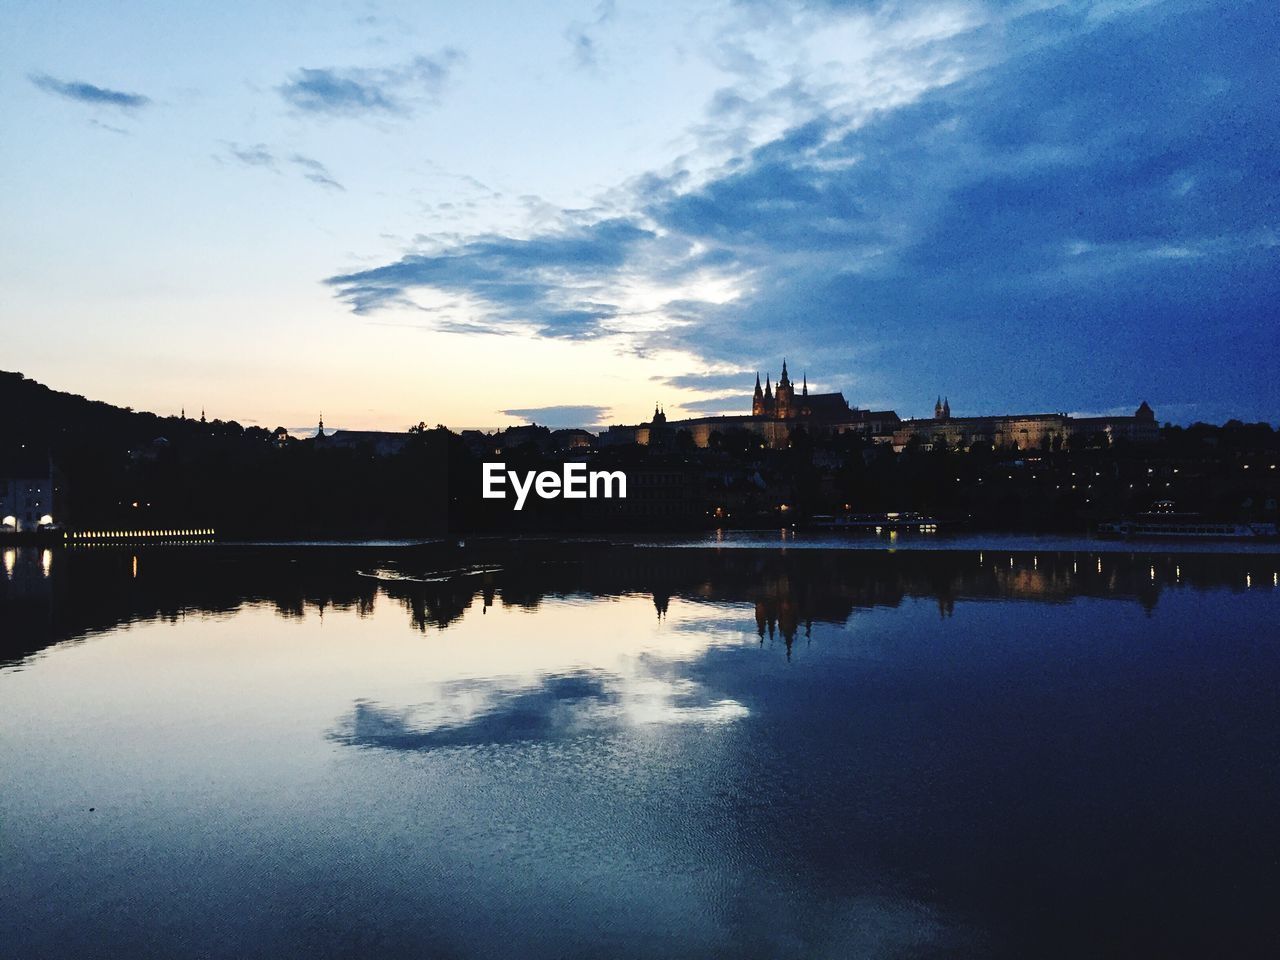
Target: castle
(1028,431)
(778,411)
(782,403)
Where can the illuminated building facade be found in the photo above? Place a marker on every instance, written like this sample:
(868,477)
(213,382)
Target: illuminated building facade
(777,412)
(26,502)
(1033,431)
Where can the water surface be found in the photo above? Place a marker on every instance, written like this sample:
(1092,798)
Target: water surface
(634,752)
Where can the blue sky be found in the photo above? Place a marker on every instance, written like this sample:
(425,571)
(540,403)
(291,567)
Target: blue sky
(487,213)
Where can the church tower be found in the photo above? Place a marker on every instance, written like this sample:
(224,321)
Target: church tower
(937,408)
(785,403)
(757,399)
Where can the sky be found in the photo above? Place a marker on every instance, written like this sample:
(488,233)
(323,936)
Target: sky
(485,214)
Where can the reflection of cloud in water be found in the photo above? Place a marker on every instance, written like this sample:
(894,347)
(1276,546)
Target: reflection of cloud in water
(573,705)
(579,668)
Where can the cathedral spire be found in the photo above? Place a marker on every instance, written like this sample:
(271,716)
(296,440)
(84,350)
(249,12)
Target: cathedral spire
(768,388)
(784,372)
(804,390)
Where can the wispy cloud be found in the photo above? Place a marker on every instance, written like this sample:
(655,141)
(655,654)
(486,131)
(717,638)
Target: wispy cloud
(89,93)
(316,172)
(583,46)
(359,91)
(556,417)
(255,155)
(546,284)
(110,128)
(711,381)
(262,156)
(732,403)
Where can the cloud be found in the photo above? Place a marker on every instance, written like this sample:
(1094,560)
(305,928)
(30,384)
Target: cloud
(109,127)
(255,155)
(731,403)
(546,284)
(359,91)
(1082,215)
(556,417)
(89,93)
(262,156)
(583,47)
(316,172)
(712,381)
(595,703)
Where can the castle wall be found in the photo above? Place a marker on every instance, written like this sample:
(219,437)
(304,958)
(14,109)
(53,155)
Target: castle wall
(1031,432)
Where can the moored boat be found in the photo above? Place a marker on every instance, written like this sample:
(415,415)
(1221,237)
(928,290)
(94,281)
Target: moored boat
(876,522)
(1185,526)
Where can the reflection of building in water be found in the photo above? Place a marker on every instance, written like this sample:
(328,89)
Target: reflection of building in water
(27,572)
(785,594)
(29,600)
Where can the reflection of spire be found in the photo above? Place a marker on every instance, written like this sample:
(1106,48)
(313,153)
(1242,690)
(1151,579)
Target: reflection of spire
(661,600)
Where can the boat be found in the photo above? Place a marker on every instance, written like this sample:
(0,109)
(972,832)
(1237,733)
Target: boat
(1164,522)
(875,522)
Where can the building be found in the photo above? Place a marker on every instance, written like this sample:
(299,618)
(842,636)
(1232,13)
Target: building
(27,500)
(1032,431)
(572,440)
(776,414)
(378,443)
